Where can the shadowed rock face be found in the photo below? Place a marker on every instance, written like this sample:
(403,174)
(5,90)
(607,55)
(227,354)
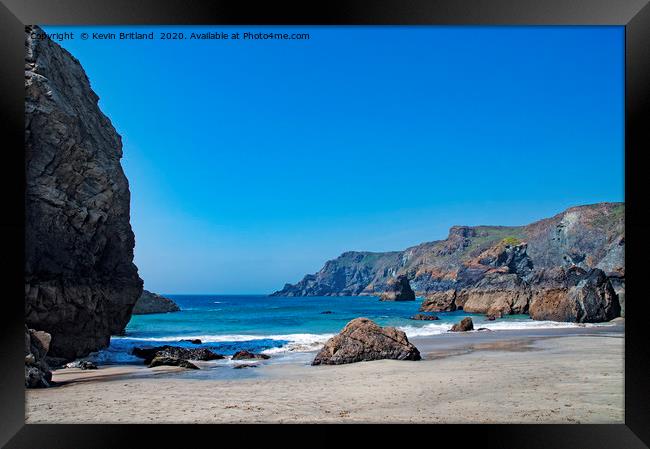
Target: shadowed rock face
(363,340)
(80,280)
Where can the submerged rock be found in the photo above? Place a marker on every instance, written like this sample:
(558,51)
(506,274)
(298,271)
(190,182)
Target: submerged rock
(424,317)
(175,352)
(171,361)
(364,340)
(244,355)
(398,290)
(196,341)
(464,325)
(154,303)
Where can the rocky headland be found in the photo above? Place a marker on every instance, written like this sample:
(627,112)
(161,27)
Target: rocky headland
(80,280)
(154,303)
(569,267)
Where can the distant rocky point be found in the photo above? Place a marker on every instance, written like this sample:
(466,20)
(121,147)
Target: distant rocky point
(154,303)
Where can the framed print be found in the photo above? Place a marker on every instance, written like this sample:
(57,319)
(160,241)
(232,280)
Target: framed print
(422,213)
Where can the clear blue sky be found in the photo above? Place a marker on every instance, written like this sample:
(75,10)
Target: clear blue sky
(251,163)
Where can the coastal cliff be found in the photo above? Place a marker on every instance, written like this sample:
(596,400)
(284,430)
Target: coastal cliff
(80,280)
(495,269)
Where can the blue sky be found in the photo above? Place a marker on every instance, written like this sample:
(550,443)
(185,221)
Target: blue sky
(251,163)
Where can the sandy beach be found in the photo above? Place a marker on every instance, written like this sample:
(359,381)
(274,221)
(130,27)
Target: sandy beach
(541,376)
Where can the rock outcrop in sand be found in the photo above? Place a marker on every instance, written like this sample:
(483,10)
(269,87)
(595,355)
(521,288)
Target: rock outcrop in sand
(80,280)
(37,371)
(398,289)
(175,352)
(364,340)
(154,303)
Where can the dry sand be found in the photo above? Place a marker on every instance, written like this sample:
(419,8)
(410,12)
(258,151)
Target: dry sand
(482,377)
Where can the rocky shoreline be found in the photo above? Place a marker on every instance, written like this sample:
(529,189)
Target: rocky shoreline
(462,377)
(566,268)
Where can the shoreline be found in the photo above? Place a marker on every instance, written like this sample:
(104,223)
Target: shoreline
(538,375)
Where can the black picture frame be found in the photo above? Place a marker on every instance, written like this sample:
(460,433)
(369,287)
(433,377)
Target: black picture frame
(634,15)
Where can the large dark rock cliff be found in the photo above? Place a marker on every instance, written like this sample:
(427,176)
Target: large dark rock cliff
(80,280)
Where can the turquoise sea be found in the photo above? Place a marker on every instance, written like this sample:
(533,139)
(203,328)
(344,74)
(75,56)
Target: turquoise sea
(280,325)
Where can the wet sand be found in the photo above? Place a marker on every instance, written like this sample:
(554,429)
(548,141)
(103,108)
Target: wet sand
(542,376)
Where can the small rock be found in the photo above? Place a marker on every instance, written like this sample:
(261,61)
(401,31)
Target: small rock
(243,355)
(87,364)
(464,325)
(196,341)
(244,365)
(326,312)
(171,361)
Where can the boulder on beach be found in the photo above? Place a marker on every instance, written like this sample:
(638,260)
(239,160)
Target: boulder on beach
(176,352)
(171,361)
(424,317)
(153,303)
(245,355)
(37,371)
(364,340)
(87,364)
(398,289)
(464,325)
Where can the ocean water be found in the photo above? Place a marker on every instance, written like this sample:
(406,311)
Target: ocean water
(279,325)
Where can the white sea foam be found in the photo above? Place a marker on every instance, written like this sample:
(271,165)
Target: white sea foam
(306,342)
(439,328)
(291,338)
